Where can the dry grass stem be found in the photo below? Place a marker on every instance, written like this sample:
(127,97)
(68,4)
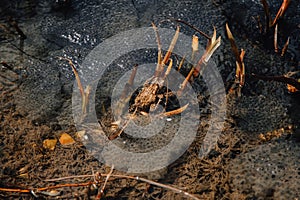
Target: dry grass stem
(185,82)
(130,83)
(239,56)
(275,39)
(274,23)
(120,131)
(175,112)
(281,11)
(159,66)
(212,45)
(80,87)
(181,63)
(171,47)
(285,47)
(169,68)
(267,14)
(83,92)
(195,47)
(100,194)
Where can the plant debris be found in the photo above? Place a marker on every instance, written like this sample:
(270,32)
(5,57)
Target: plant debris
(293,85)
(85,93)
(274,23)
(239,57)
(153,92)
(49,144)
(66,139)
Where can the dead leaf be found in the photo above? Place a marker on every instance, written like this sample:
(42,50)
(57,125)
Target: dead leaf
(66,139)
(49,144)
(291,88)
(80,134)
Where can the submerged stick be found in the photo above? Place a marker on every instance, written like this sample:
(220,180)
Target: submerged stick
(168,187)
(282,79)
